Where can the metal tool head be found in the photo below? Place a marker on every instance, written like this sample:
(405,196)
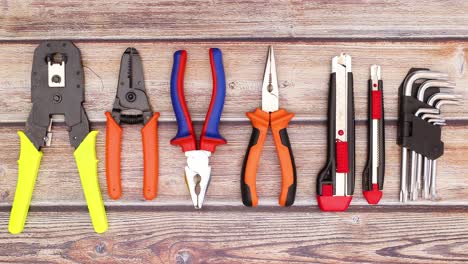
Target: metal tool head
(440,103)
(436,120)
(270,91)
(434,84)
(439,124)
(376,76)
(57,88)
(423,74)
(343,60)
(421,111)
(441,96)
(198,175)
(131,103)
(427,116)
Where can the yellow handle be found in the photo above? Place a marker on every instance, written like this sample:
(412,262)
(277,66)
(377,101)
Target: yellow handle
(28,166)
(86,161)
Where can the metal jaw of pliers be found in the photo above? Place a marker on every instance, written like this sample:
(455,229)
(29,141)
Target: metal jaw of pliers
(57,89)
(131,106)
(198,173)
(198,170)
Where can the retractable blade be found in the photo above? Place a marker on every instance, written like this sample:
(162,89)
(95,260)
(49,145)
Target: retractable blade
(341,65)
(373,175)
(335,183)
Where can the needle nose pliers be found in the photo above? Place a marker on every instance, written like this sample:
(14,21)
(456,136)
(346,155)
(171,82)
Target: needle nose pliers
(198,170)
(57,89)
(278,119)
(131,106)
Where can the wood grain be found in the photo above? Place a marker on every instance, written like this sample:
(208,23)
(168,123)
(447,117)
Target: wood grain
(58,181)
(396,34)
(203,19)
(241,236)
(303,71)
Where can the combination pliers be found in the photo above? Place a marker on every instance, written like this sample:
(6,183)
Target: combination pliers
(198,170)
(57,88)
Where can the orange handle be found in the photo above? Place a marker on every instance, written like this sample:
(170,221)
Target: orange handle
(260,122)
(149,135)
(279,123)
(113,145)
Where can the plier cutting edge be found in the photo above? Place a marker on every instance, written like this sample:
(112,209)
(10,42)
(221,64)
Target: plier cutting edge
(270,115)
(198,170)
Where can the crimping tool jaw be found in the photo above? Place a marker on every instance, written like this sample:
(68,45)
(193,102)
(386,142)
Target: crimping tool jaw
(56,70)
(197,175)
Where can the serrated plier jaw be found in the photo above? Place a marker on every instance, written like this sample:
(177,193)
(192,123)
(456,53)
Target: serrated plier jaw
(198,175)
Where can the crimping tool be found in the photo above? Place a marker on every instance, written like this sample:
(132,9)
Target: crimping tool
(57,88)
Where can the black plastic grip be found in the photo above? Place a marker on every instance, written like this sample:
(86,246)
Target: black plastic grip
(291,196)
(351,135)
(245,189)
(327,174)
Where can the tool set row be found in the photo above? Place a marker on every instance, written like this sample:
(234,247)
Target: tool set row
(57,88)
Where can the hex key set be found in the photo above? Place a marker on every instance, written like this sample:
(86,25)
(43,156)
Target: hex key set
(422,94)
(57,88)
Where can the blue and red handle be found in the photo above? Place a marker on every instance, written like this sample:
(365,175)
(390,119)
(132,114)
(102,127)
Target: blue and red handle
(210,136)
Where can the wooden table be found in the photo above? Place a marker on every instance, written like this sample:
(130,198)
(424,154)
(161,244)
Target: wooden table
(306,34)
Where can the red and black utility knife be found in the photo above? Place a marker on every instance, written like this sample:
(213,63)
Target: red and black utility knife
(373,175)
(335,183)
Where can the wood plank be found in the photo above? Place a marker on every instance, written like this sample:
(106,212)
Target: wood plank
(202,19)
(303,71)
(241,236)
(58,181)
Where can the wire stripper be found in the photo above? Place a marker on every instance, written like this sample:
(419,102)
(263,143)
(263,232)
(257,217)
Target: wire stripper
(131,106)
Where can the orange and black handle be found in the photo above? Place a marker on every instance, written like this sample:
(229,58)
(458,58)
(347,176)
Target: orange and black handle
(260,122)
(279,121)
(113,148)
(149,135)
